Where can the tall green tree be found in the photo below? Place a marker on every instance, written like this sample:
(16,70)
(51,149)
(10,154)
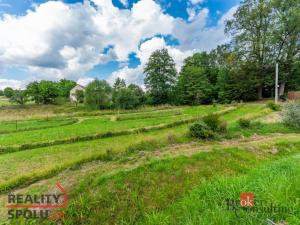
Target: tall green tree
(65,87)
(251,28)
(194,83)
(126,99)
(8,92)
(160,76)
(119,83)
(98,95)
(43,92)
(34,93)
(286,41)
(138,91)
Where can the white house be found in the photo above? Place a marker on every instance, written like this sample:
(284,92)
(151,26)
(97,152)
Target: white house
(78,87)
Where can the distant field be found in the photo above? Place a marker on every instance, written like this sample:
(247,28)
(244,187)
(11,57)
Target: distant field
(26,125)
(161,176)
(4,101)
(101,124)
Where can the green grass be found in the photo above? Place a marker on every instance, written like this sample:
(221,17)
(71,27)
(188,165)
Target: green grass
(145,115)
(235,131)
(4,101)
(276,183)
(181,190)
(25,125)
(91,126)
(249,111)
(27,166)
(31,165)
(188,190)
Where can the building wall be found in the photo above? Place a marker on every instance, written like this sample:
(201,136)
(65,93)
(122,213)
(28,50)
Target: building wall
(73,92)
(294,95)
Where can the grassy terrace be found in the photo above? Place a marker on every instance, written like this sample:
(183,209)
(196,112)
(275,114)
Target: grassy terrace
(26,125)
(30,165)
(103,124)
(119,170)
(192,190)
(189,185)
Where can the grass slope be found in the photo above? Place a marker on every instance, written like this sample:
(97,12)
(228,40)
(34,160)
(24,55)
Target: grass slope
(191,190)
(91,126)
(32,165)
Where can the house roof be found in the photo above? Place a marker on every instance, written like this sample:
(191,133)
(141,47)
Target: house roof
(80,85)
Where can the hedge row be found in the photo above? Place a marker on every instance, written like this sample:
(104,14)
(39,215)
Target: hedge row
(8,149)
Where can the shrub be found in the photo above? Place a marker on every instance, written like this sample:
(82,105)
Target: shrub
(244,123)
(201,130)
(291,114)
(212,121)
(271,105)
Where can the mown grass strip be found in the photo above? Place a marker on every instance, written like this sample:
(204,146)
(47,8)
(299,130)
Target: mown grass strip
(123,112)
(16,126)
(147,115)
(9,149)
(90,126)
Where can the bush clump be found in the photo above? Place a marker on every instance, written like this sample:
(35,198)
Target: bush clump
(271,105)
(212,121)
(291,114)
(201,130)
(244,123)
(208,127)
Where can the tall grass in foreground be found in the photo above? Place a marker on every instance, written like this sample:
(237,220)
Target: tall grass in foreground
(188,190)
(276,183)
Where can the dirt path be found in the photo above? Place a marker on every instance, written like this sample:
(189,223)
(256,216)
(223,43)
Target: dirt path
(70,178)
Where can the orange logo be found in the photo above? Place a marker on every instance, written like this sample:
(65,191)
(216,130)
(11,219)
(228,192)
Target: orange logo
(247,199)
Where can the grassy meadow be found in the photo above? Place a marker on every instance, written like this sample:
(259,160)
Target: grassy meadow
(142,167)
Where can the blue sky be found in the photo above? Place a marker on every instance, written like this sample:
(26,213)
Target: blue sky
(183,26)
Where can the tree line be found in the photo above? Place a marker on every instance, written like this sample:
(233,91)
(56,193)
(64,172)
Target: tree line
(42,92)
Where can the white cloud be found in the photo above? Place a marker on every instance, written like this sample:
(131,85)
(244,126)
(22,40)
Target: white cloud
(15,84)
(57,40)
(193,36)
(197,36)
(135,75)
(60,40)
(228,16)
(84,81)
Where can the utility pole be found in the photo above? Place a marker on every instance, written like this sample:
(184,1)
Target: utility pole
(276,85)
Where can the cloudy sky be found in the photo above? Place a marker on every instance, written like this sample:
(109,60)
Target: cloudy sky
(104,39)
